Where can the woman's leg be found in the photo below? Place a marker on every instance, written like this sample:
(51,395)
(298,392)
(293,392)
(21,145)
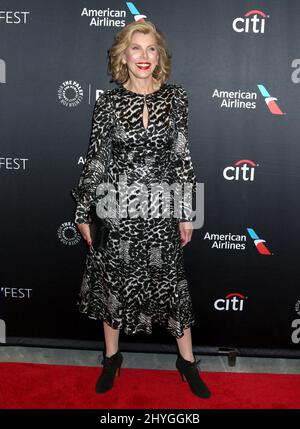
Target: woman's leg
(185,345)
(111,339)
(112,359)
(187,366)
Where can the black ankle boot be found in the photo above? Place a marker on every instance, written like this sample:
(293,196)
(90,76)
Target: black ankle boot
(111,365)
(190,372)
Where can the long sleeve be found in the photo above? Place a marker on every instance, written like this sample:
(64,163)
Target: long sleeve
(184,170)
(98,153)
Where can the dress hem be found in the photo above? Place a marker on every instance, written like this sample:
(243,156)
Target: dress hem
(127,331)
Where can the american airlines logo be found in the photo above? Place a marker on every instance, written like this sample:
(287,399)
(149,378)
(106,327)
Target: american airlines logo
(259,243)
(271,102)
(253,21)
(135,12)
(2,71)
(235,99)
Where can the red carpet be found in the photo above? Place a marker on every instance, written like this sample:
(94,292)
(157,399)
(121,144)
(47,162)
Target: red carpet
(35,386)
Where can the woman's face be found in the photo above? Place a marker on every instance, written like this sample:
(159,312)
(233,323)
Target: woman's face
(142,49)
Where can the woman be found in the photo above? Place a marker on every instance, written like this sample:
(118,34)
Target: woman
(139,133)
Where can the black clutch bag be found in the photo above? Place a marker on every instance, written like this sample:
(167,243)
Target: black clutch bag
(99,231)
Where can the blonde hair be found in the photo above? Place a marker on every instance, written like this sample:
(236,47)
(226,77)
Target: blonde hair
(119,71)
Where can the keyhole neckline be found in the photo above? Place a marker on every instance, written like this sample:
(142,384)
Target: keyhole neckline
(144,95)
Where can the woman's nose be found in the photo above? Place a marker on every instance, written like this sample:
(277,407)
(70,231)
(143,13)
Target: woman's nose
(145,55)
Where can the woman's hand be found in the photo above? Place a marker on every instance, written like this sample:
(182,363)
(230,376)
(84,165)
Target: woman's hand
(84,230)
(186,231)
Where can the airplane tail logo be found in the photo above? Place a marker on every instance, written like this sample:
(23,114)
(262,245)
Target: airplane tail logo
(270,101)
(136,14)
(259,242)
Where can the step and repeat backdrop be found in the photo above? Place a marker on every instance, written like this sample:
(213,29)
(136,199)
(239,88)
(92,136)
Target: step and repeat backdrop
(240,64)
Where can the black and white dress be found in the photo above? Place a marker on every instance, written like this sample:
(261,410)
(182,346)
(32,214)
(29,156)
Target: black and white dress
(140,278)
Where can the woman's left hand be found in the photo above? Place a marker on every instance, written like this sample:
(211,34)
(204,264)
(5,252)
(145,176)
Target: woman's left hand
(186,231)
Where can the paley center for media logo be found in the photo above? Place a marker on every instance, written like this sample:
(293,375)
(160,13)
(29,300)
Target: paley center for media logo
(111,17)
(231,302)
(70,93)
(68,234)
(253,21)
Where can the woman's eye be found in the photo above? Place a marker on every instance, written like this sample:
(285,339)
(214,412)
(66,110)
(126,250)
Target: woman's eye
(136,47)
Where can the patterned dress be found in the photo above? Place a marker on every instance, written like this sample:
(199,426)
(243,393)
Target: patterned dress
(139,278)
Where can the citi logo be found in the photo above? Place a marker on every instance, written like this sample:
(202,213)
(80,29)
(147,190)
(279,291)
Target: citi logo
(252,22)
(136,14)
(232,301)
(2,71)
(259,242)
(270,101)
(244,169)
